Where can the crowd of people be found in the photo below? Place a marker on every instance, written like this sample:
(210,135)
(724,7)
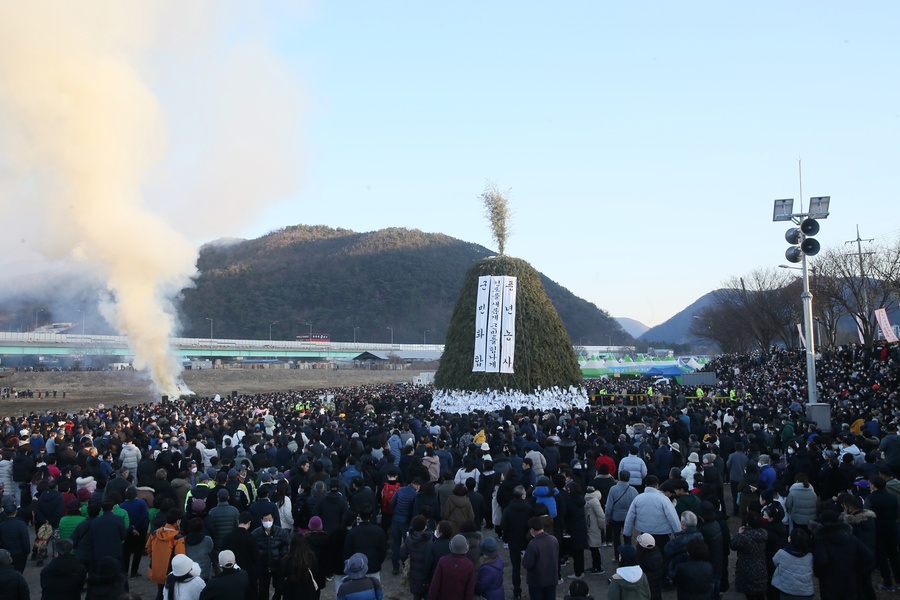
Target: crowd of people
(281,495)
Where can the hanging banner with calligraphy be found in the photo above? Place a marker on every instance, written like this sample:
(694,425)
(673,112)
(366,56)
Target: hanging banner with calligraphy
(481,317)
(508,326)
(495,308)
(885,325)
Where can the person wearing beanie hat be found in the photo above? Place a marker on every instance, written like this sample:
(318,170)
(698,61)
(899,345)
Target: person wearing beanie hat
(454,576)
(629,580)
(184,582)
(489,578)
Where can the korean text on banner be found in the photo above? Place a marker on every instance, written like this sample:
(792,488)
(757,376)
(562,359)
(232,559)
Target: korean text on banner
(802,337)
(481,318)
(508,326)
(885,325)
(495,308)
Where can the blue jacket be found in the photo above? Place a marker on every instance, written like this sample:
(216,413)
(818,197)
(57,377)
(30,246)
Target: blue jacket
(542,495)
(402,503)
(365,588)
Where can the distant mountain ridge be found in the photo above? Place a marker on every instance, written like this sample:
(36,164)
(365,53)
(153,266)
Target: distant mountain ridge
(394,283)
(675,330)
(634,328)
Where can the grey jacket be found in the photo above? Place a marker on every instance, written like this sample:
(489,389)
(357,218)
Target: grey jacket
(619,500)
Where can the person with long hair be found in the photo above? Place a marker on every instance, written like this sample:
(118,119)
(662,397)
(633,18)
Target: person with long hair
(303,577)
(285,506)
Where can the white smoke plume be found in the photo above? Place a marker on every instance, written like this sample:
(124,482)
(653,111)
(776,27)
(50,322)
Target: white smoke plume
(82,131)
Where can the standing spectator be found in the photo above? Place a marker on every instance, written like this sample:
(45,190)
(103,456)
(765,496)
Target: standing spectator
(652,512)
(231,583)
(736,463)
(240,542)
(458,509)
(651,563)
(14,537)
(63,577)
(402,505)
(272,544)
(767,473)
(541,561)
(356,585)
(454,577)
(108,533)
(162,545)
(801,502)
(514,525)
(199,547)
(596,526)
(369,539)
(222,519)
(107,582)
(663,459)
(794,567)
(130,455)
(184,582)
(693,578)
(576,528)
(839,559)
(303,578)
(635,466)
(629,580)
(136,535)
(489,578)
(711,530)
(618,502)
(751,577)
(415,549)
(12,584)
(884,505)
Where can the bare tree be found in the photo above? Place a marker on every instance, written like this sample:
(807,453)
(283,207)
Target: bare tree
(496,209)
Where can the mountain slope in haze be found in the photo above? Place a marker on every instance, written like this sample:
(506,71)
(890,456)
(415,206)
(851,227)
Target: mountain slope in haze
(398,284)
(675,330)
(634,328)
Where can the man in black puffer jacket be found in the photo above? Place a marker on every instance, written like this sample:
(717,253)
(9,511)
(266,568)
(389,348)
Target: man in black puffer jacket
(514,525)
(272,544)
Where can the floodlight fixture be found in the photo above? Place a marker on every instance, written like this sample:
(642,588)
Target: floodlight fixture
(784,209)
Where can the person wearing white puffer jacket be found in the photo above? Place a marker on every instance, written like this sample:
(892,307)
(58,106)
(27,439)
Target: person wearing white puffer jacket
(184,582)
(636,466)
(801,502)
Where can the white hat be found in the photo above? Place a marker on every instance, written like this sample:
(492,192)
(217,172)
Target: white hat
(692,457)
(226,559)
(181,565)
(486,447)
(645,540)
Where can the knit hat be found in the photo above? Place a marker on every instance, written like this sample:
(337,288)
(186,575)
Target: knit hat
(458,544)
(226,559)
(181,565)
(315,524)
(356,566)
(646,540)
(489,546)
(5,557)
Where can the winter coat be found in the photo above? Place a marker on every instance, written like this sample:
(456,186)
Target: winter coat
(458,510)
(108,583)
(712,535)
(271,548)
(619,500)
(541,560)
(489,580)
(629,583)
(199,547)
(6,480)
(693,580)
(63,578)
(230,584)
(334,511)
(651,512)
(801,503)
(651,562)
(595,517)
(415,548)
(454,579)
(438,549)
(838,560)
(427,503)
(107,533)
(49,508)
(793,572)
(186,590)
(12,584)
(161,546)
(576,522)
(751,575)
(369,539)
(635,465)
(514,523)
(223,520)
(543,495)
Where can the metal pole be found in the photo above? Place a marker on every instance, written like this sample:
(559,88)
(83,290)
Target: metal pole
(425,336)
(354,334)
(806,297)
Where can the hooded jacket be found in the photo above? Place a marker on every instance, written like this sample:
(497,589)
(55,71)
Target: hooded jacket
(595,517)
(542,495)
(629,583)
(801,503)
(161,546)
(619,500)
(837,558)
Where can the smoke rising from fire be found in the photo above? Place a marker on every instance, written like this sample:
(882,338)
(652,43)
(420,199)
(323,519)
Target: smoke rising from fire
(85,156)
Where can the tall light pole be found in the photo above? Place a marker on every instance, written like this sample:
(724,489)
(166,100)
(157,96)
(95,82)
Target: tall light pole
(808,246)
(82,320)
(354,334)
(36,311)
(392,335)
(210,327)
(310,331)
(270,329)
(425,336)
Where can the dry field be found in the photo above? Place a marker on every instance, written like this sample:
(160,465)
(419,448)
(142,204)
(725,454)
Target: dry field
(87,389)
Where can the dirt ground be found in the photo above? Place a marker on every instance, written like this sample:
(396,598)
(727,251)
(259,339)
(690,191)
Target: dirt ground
(87,389)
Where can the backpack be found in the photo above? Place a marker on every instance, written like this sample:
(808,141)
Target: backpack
(387,494)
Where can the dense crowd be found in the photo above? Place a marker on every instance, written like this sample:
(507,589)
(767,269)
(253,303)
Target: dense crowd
(284,494)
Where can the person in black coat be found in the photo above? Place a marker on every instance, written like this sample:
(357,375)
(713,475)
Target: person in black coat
(712,535)
(232,582)
(694,577)
(427,503)
(576,527)
(12,584)
(415,548)
(241,543)
(108,582)
(367,538)
(108,533)
(64,576)
(514,525)
(839,559)
(14,537)
(50,506)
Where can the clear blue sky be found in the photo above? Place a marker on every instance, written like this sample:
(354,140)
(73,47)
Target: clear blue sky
(642,143)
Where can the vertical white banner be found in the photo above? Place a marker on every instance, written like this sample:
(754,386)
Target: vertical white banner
(885,325)
(508,326)
(481,317)
(859,329)
(802,337)
(495,308)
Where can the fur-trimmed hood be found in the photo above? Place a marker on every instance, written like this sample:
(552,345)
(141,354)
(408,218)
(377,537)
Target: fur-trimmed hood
(859,517)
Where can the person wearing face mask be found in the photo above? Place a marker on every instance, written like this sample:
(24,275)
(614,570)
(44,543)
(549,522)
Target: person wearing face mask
(272,545)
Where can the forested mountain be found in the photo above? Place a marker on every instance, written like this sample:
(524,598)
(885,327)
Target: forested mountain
(339,280)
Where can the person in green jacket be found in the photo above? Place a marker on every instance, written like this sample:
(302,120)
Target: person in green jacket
(70,521)
(629,581)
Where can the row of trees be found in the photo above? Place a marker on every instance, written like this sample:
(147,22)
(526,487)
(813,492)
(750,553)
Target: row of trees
(764,307)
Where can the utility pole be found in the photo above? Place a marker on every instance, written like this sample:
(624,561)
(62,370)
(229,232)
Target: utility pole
(862,274)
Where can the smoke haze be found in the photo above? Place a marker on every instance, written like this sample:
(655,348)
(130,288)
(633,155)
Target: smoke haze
(88,173)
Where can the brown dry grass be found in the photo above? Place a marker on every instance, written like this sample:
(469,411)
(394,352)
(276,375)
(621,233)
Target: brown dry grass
(87,389)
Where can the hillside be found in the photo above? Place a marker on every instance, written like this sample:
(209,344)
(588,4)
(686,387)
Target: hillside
(675,330)
(339,280)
